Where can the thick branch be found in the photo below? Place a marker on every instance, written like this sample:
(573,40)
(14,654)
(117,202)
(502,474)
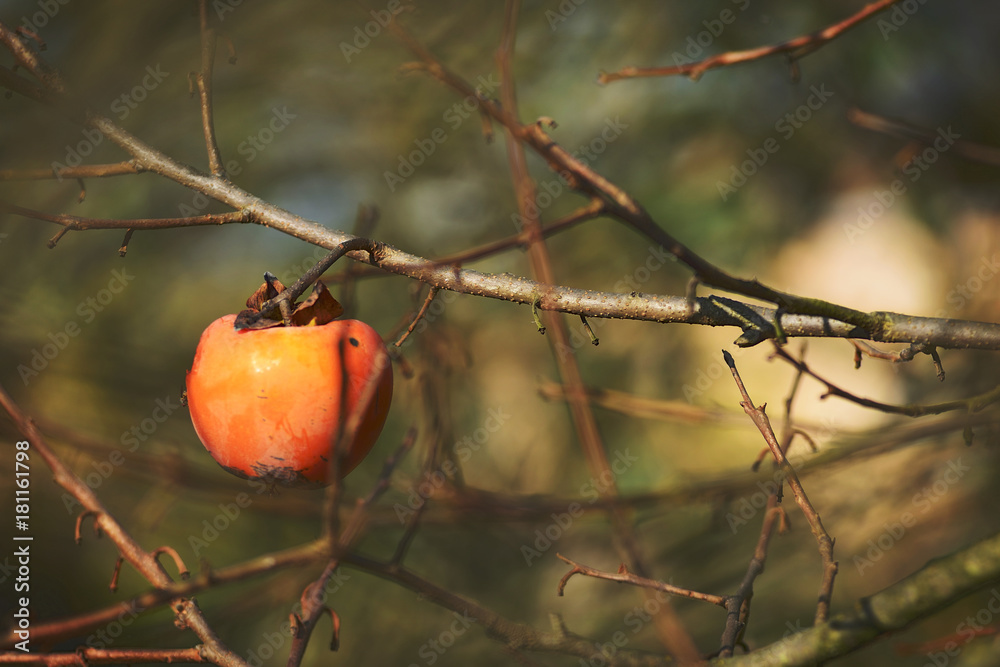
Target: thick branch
(878,326)
(937,585)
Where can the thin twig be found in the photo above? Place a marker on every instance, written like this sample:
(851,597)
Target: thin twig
(907,131)
(86,656)
(626,577)
(759,418)
(738,604)
(82,171)
(794,48)
(420,313)
(204,82)
(972,404)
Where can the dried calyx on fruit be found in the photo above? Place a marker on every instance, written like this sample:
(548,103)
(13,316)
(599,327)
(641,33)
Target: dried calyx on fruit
(275,399)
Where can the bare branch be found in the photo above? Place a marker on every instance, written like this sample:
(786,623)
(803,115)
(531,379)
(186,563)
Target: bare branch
(794,49)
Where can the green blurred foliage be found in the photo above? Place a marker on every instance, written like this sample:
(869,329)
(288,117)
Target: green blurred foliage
(352,117)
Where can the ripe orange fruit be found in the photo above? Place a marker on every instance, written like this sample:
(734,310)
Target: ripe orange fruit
(272,403)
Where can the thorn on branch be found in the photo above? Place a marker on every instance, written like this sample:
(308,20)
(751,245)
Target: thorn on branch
(124,246)
(335,637)
(535,316)
(83,191)
(593,337)
(938,367)
(114,575)
(58,235)
(79,523)
(178,562)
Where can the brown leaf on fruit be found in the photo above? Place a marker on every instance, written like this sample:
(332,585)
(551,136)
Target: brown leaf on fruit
(319,309)
(251,319)
(271,288)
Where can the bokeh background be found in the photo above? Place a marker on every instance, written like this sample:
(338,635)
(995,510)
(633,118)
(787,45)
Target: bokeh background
(347,117)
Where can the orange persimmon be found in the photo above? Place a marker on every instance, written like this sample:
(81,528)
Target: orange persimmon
(272,403)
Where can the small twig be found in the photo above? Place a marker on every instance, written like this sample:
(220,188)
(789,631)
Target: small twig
(204,82)
(124,246)
(313,610)
(79,523)
(586,325)
(625,577)
(374,249)
(82,171)
(114,575)
(76,223)
(972,404)
(178,562)
(793,48)
(760,419)
(909,132)
(906,354)
(420,313)
(86,656)
(738,604)
(535,317)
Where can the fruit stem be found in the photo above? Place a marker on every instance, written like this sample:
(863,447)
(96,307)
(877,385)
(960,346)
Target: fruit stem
(283,301)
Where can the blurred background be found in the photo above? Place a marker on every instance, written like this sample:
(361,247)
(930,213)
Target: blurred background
(317,117)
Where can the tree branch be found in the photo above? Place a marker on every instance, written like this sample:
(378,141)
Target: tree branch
(794,48)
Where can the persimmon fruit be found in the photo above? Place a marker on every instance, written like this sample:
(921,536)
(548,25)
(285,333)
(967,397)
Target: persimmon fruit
(272,403)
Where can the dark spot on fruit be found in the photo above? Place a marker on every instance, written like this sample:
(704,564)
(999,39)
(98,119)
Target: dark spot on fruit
(353,341)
